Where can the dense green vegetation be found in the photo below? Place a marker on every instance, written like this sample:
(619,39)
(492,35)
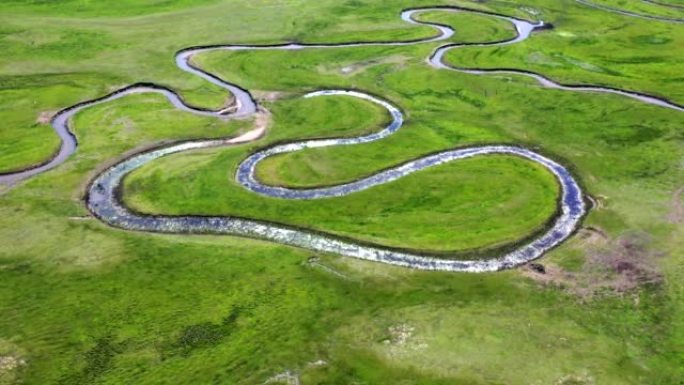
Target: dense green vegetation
(445,209)
(575,52)
(471,28)
(83,303)
(95,55)
(645,8)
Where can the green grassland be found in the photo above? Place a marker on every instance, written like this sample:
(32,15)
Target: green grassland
(100,53)
(83,303)
(574,52)
(645,8)
(445,209)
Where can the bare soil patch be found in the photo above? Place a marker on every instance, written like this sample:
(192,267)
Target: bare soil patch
(286,377)
(592,235)
(355,68)
(9,365)
(261,122)
(268,96)
(45,117)
(583,379)
(402,339)
(616,266)
(599,202)
(291,377)
(229,106)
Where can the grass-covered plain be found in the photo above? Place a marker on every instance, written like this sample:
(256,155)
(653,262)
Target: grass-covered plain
(83,303)
(445,209)
(575,52)
(659,8)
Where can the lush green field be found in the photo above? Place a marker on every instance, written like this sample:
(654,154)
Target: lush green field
(645,8)
(445,209)
(48,46)
(83,303)
(575,51)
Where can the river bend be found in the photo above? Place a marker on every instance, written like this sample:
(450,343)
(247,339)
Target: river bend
(103,200)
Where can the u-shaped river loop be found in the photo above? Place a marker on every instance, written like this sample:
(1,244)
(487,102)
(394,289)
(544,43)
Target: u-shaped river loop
(103,201)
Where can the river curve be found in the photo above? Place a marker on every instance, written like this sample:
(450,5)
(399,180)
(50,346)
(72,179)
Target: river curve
(103,202)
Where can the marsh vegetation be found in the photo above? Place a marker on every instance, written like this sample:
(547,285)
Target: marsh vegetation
(86,303)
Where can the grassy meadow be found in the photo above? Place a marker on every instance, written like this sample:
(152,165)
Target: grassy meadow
(83,303)
(662,8)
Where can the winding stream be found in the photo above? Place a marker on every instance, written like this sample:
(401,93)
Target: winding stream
(103,201)
(636,14)
(662,4)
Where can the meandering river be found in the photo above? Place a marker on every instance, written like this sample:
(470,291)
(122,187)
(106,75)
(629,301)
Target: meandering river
(103,201)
